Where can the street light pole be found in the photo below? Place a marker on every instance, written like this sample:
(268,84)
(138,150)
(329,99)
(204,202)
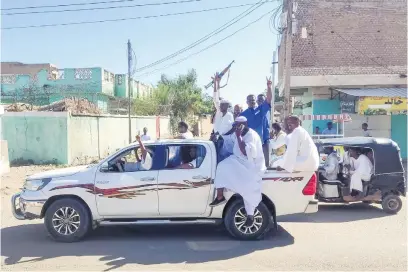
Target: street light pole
(288,60)
(129,48)
(273,88)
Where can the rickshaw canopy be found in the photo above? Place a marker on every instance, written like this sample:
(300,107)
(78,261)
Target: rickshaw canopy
(386,152)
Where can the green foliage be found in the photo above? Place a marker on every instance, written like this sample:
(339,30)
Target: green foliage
(180,98)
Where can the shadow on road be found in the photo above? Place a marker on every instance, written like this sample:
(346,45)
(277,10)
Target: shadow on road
(141,245)
(336,213)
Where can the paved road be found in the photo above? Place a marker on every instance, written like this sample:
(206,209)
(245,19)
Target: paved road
(354,237)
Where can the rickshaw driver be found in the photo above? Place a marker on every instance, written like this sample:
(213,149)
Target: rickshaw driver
(363,169)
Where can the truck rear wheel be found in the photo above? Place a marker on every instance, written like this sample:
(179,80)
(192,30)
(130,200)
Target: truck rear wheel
(67,220)
(235,218)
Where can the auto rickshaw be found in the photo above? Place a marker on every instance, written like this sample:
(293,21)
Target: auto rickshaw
(387,183)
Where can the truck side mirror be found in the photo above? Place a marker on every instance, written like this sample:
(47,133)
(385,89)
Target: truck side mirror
(104,167)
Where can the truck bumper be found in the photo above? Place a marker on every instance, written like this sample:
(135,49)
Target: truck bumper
(23,209)
(312,207)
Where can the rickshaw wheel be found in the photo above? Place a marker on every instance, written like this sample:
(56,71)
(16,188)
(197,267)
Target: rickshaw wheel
(391,204)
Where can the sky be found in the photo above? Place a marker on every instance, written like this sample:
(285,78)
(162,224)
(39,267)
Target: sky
(104,44)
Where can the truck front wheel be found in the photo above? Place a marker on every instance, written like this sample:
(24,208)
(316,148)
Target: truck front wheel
(235,218)
(67,220)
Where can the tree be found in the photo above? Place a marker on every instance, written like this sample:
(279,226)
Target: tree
(181,98)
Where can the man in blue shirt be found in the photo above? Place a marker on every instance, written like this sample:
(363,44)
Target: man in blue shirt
(257,117)
(329,130)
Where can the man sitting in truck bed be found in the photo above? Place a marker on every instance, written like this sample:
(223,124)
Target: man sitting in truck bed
(241,172)
(301,153)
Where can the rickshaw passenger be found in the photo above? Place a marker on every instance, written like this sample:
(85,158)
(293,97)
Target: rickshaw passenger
(331,165)
(370,155)
(363,169)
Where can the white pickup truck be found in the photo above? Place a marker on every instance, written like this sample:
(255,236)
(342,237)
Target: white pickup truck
(75,200)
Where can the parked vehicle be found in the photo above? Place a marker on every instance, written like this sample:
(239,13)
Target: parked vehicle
(75,200)
(387,183)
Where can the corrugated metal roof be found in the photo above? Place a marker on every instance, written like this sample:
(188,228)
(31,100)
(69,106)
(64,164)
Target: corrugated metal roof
(380,92)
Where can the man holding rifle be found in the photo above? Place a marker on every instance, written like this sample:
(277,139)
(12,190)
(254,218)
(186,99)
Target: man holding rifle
(223,119)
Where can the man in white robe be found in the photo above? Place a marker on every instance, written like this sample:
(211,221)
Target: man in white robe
(277,143)
(223,119)
(301,152)
(242,171)
(331,165)
(363,169)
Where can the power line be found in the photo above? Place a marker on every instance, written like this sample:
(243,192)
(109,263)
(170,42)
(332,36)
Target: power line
(125,19)
(68,5)
(102,8)
(206,48)
(206,37)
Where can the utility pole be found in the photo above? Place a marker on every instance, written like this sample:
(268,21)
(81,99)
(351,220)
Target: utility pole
(288,62)
(273,88)
(129,47)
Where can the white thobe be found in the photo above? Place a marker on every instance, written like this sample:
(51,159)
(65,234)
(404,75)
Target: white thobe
(301,153)
(331,167)
(275,144)
(287,139)
(366,133)
(143,165)
(222,123)
(363,171)
(187,135)
(243,174)
(145,137)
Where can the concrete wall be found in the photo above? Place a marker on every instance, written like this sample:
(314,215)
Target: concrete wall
(4,158)
(57,137)
(40,137)
(94,137)
(379,125)
(399,132)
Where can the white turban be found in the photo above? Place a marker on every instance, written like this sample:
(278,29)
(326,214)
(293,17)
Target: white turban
(240,119)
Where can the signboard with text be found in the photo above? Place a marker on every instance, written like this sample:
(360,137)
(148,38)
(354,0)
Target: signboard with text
(348,106)
(382,105)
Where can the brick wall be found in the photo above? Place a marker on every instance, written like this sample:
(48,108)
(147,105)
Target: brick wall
(350,37)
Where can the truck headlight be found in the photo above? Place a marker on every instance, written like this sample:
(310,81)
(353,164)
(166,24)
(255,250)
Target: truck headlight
(36,184)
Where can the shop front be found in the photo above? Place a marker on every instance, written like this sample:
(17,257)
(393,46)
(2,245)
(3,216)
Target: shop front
(384,109)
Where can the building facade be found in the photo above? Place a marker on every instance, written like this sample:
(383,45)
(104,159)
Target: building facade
(342,45)
(42,84)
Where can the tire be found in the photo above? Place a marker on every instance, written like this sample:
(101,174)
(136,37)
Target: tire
(80,218)
(234,231)
(391,204)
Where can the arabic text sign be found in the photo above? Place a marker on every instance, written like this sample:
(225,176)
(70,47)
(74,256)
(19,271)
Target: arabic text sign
(382,105)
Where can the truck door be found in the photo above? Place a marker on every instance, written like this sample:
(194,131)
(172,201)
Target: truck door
(122,193)
(185,182)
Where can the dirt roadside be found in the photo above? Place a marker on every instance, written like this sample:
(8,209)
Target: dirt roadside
(11,182)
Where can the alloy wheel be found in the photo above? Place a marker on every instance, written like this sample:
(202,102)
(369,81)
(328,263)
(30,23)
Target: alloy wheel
(240,218)
(66,221)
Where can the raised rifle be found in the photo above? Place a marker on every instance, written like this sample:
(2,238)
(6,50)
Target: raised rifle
(220,75)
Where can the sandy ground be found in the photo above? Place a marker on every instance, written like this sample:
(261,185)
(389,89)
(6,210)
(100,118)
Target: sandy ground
(338,237)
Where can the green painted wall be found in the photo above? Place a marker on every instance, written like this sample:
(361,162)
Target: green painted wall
(399,132)
(36,137)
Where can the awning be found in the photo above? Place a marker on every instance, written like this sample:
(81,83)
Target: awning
(329,117)
(378,92)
